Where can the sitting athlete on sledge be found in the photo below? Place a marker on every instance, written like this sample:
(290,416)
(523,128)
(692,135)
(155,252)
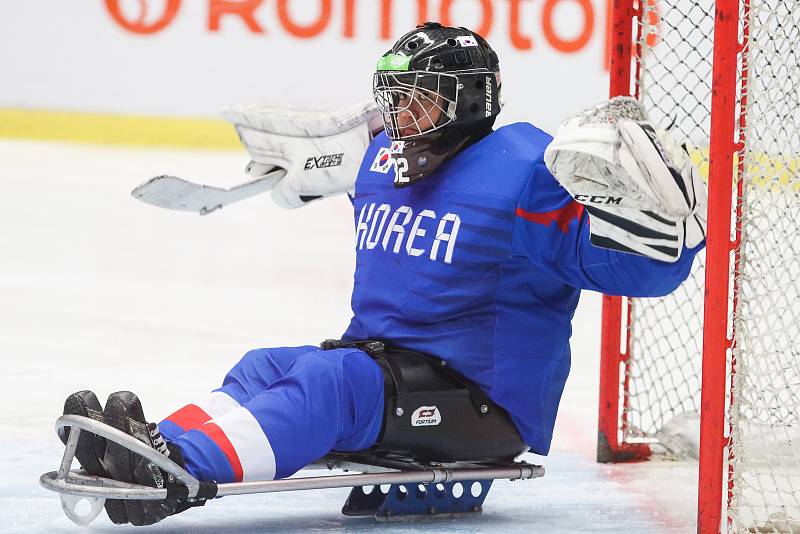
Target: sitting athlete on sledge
(472,246)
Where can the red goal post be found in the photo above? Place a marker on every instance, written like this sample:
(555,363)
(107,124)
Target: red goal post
(725,77)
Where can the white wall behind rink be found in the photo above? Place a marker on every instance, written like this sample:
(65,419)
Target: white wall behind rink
(204,54)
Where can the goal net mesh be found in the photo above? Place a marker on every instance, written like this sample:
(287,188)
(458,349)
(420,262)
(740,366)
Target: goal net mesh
(674,53)
(675,45)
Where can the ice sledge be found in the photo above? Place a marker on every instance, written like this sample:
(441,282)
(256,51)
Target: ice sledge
(415,488)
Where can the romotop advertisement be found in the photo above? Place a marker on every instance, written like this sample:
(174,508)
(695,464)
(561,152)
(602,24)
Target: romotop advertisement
(189,58)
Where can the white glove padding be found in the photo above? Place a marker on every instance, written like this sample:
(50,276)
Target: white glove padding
(641,190)
(320,151)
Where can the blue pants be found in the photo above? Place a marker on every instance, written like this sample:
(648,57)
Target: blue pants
(279,410)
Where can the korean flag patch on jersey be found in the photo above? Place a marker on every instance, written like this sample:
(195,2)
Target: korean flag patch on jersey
(383,161)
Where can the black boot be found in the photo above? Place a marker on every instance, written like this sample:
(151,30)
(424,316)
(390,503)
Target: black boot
(91,448)
(124,412)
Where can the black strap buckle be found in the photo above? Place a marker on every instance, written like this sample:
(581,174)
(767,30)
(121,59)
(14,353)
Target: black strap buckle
(372,347)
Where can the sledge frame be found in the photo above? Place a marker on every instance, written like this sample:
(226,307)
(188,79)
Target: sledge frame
(74,486)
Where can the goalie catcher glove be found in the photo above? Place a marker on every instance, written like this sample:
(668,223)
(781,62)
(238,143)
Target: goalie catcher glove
(641,190)
(320,151)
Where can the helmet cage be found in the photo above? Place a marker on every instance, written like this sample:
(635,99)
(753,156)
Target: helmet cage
(415,95)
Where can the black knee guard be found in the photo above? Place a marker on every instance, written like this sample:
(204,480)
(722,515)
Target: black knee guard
(434,414)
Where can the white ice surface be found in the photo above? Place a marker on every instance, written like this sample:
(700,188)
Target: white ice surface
(100,291)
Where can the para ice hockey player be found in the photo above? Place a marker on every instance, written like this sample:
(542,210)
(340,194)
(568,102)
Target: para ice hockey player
(472,246)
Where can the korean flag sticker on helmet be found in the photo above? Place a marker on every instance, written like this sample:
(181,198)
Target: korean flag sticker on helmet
(426,416)
(466,40)
(383,162)
(397,147)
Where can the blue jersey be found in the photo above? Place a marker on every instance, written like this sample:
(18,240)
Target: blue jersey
(482,264)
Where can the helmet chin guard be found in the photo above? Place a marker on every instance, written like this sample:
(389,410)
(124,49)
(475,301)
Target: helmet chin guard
(438,89)
(419,157)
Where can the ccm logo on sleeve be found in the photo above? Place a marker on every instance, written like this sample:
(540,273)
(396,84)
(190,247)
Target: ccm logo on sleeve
(598,199)
(426,416)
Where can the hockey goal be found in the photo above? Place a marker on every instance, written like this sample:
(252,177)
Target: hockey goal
(725,76)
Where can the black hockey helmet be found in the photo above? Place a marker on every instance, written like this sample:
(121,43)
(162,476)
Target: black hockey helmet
(439,91)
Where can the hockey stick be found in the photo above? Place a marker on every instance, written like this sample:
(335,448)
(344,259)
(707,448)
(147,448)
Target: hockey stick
(176,193)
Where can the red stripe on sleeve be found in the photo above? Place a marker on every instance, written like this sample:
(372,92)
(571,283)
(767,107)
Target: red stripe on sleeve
(562,216)
(213,431)
(189,417)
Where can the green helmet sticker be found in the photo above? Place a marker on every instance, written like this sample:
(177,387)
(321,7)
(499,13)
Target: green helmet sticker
(394,62)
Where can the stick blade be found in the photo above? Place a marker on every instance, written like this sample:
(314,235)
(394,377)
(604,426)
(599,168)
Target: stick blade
(175,193)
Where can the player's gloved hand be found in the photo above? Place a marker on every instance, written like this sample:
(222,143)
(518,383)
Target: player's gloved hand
(641,190)
(320,151)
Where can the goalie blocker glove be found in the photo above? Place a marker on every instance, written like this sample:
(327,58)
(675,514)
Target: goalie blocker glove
(299,156)
(320,151)
(641,190)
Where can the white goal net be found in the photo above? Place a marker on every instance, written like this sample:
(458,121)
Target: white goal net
(663,383)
